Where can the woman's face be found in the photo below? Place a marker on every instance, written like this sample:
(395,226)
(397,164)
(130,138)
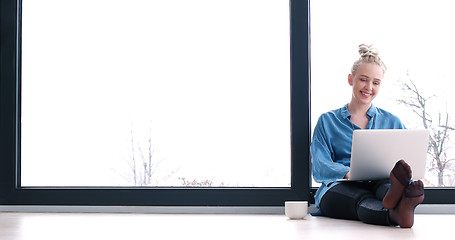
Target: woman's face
(366,82)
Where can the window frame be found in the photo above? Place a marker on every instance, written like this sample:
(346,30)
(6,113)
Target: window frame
(11,193)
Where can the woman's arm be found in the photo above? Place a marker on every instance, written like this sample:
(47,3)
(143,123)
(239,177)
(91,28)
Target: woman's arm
(325,169)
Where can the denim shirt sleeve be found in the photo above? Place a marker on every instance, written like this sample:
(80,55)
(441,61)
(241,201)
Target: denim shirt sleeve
(324,167)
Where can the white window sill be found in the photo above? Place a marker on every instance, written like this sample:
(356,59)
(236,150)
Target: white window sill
(421,209)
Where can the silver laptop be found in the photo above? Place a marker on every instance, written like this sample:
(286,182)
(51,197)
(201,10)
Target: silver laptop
(375,152)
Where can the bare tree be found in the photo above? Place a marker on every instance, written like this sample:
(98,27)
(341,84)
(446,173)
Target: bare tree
(142,165)
(439,131)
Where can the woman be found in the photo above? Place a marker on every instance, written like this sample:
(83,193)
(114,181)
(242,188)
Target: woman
(390,202)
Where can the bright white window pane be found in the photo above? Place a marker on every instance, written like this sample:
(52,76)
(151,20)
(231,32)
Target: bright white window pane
(201,86)
(415,44)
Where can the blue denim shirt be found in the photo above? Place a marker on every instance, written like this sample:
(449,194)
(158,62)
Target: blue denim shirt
(332,140)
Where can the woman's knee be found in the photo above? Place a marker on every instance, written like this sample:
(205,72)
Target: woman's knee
(371,211)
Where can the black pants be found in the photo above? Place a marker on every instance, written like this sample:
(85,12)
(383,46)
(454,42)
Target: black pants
(357,201)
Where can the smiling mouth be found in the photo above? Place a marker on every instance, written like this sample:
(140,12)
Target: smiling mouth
(365,94)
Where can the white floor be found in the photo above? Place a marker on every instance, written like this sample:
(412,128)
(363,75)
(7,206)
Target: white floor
(67,226)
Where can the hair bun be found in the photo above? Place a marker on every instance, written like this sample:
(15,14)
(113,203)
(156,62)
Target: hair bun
(367,50)
(368,54)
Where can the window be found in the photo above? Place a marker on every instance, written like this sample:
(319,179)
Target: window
(13,192)
(146,98)
(68,80)
(415,46)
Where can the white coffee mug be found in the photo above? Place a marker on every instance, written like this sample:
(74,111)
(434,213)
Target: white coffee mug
(296,209)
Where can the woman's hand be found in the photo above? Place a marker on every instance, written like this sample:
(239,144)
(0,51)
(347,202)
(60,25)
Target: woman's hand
(348,175)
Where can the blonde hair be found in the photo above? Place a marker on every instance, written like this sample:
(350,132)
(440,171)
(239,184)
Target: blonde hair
(368,54)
